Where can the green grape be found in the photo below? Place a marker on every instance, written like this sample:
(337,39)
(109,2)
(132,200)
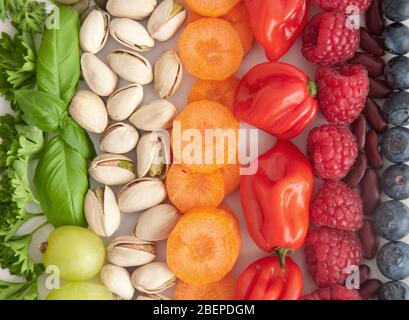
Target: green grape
(81,291)
(78,253)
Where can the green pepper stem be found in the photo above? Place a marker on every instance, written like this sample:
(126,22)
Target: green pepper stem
(282,253)
(312,88)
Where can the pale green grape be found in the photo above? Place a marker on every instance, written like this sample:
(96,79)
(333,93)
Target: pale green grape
(81,291)
(77,252)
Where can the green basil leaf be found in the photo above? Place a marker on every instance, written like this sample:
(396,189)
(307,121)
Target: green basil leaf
(41,109)
(61,181)
(58,65)
(77,138)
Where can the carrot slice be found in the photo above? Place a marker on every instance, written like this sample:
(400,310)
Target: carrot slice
(231,177)
(204,246)
(211,8)
(224,289)
(240,20)
(189,190)
(220,91)
(211,49)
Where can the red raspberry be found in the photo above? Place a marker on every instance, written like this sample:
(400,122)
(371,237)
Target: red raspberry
(329,255)
(328,39)
(332,150)
(337,206)
(342,92)
(333,293)
(342,5)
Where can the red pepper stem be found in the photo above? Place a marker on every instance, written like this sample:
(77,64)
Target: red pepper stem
(282,253)
(312,88)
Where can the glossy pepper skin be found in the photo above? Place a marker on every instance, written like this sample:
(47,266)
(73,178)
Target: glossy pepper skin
(265,279)
(278,98)
(276,24)
(276,200)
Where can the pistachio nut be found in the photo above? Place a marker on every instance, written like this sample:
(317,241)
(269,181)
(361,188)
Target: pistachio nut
(141,194)
(167,18)
(99,77)
(118,281)
(153,154)
(153,278)
(131,66)
(101,211)
(152,297)
(127,251)
(157,115)
(94,31)
(168,73)
(89,111)
(137,10)
(123,102)
(131,34)
(102,4)
(112,169)
(156,223)
(81,6)
(119,138)
(86,12)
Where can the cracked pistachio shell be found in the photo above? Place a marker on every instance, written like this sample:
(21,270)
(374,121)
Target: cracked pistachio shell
(152,297)
(153,278)
(166,20)
(118,281)
(157,223)
(141,194)
(119,138)
(94,31)
(89,111)
(102,211)
(168,73)
(131,66)
(137,10)
(123,102)
(154,116)
(131,34)
(128,251)
(98,76)
(112,169)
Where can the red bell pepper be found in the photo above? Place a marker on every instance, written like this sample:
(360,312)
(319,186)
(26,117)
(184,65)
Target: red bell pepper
(276,199)
(266,279)
(276,24)
(278,98)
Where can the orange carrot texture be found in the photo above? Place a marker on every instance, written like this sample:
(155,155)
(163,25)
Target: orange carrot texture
(211,8)
(211,49)
(224,289)
(231,178)
(204,246)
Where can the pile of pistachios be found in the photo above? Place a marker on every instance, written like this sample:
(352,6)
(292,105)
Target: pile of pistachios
(126,124)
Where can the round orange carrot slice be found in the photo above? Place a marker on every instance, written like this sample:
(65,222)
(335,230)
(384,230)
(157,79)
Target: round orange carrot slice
(189,190)
(220,91)
(204,246)
(205,137)
(224,289)
(211,49)
(211,8)
(231,177)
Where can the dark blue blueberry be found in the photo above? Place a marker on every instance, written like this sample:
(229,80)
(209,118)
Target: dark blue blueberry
(396,10)
(396,38)
(393,260)
(391,220)
(395,144)
(394,290)
(396,108)
(395,182)
(397,73)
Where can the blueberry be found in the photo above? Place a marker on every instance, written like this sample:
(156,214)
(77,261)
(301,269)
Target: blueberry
(395,182)
(396,38)
(393,260)
(393,290)
(395,144)
(391,220)
(396,108)
(396,10)
(397,73)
